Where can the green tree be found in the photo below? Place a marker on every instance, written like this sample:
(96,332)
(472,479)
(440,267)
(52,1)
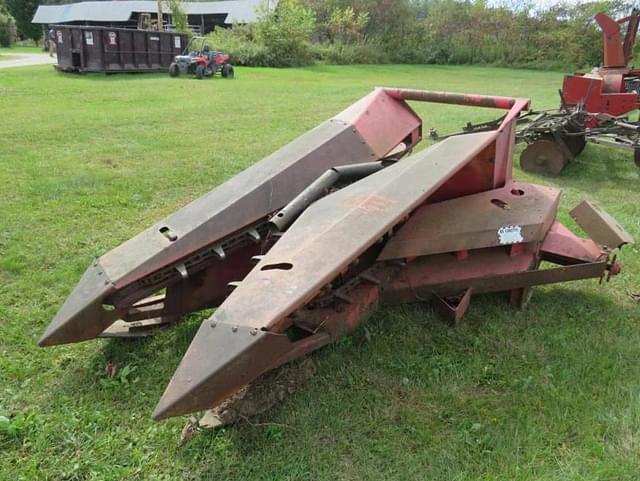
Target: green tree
(23,11)
(286,33)
(178,16)
(7,28)
(344,25)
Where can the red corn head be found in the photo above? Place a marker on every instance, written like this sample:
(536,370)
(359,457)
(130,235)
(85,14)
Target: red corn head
(298,249)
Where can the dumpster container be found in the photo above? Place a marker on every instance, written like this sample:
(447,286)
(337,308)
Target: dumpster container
(113,50)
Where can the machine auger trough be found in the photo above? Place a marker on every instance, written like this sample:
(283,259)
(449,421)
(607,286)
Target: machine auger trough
(594,107)
(300,248)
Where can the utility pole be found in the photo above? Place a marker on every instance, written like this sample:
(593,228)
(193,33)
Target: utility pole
(160,26)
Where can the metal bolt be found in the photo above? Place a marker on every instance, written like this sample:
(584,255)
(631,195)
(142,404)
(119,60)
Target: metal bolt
(234,329)
(213,324)
(254,331)
(106,282)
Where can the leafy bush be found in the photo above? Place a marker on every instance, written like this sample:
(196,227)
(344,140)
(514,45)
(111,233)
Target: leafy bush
(561,35)
(280,38)
(7,30)
(179,16)
(22,11)
(344,54)
(345,26)
(241,43)
(286,34)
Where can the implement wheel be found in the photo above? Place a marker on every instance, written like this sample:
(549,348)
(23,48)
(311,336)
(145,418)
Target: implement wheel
(636,156)
(543,157)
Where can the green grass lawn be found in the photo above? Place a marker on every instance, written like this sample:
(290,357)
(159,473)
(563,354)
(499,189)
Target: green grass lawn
(552,393)
(8,53)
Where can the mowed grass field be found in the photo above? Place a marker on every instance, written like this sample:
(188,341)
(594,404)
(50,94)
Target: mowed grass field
(552,393)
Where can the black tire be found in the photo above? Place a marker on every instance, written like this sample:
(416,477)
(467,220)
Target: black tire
(636,156)
(174,70)
(227,70)
(200,71)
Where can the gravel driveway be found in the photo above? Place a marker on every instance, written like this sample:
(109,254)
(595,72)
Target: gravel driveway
(24,60)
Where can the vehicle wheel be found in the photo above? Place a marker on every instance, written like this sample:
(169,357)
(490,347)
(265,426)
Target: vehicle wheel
(636,156)
(543,157)
(227,70)
(200,71)
(174,70)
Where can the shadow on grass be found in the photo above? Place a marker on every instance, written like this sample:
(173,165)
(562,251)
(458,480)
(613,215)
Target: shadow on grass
(384,363)
(149,363)
(113,77)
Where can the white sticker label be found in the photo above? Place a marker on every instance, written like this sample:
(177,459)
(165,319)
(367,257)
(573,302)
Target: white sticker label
(112,38)
(176,42)
(154,38)
(510,234)
(59,36)
(88,38)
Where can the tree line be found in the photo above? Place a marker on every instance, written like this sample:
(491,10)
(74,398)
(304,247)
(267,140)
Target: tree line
(300,32)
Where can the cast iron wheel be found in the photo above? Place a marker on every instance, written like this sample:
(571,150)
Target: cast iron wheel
(544,156)
(200,71)
(174,71)
(227,70)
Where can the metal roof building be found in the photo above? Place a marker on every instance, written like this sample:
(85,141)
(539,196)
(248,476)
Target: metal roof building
(124,13)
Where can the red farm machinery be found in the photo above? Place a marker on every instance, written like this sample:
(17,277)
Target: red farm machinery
(298,249)
(594,106)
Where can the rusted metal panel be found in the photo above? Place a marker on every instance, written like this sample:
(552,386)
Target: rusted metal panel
(340,227)
(487,270)
(199,385)
(562,246)
(453,310)
(221,359)
(600,226)
(188,241)
(241,201)
(337,229)
(517,213)
(82,315)
(448,220)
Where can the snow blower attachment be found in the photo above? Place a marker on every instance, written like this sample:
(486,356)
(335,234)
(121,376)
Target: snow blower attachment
(594,106)
(299,248)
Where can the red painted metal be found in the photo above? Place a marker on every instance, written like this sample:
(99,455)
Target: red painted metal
(593,106)
(617,50)
(604,91)
(443,224)
(469,100)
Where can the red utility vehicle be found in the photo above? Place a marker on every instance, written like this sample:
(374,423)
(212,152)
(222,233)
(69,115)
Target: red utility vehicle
(202,62)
